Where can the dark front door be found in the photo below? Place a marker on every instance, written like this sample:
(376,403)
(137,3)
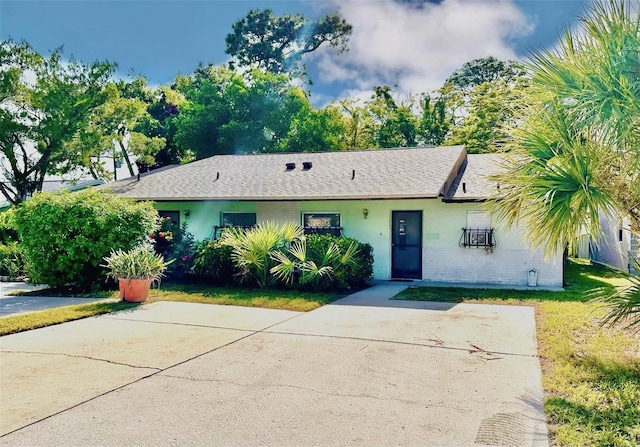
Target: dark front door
(406,244)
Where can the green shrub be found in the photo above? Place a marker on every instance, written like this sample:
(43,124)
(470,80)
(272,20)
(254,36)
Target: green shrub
(213,264)
(175,243)
(353,274)
(66,235)
(251,248)
(8,226)
(12,260)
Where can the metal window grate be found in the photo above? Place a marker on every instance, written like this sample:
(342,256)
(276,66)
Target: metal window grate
(477,237)
(218,229)
(336,231)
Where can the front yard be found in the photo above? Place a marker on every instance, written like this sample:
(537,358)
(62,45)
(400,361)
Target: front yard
(591,373)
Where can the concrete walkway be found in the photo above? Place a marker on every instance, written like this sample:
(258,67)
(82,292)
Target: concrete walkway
(363,371)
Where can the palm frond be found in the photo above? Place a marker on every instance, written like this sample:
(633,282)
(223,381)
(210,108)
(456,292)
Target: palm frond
(622,306)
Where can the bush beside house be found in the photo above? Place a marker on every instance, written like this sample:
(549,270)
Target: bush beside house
(174,242)
(65,235)
(12,256)
(282,256)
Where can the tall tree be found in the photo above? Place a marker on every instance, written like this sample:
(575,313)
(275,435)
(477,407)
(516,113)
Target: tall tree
(276,44)
(390,123)
(435,120)
(484,96)
(315,130)
(577,153)
(40,117)
(111,132)
(228,113)
(152,133)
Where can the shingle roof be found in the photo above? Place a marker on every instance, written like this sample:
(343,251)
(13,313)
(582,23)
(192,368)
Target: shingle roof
(364,174)
(472,182)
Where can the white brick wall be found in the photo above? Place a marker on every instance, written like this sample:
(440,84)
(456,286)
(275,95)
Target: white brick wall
(278,212)
(502,266)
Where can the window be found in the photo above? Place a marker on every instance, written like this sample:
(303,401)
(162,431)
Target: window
(477,237)
(174,215)
(478,232)
(237,219)
(234,219)
(322,223)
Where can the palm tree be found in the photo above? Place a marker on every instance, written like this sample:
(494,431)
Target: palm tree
(577,153)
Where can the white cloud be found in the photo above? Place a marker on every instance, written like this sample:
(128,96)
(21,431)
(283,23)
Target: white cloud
(416,48)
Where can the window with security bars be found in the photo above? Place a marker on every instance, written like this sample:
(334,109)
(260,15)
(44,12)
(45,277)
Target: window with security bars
(322,223)
(477,237)
(234,219)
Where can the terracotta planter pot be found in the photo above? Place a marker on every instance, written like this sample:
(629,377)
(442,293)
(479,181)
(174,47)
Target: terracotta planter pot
(134,290)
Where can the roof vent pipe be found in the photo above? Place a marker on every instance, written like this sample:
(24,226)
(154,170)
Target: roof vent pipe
(353,174)
(217,176)
(290,166)
(306,165)
(464,187)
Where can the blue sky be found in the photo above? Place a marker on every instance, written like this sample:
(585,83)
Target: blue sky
(412,45)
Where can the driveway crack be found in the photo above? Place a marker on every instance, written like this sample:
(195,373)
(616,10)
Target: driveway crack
(312,390)
(82,357)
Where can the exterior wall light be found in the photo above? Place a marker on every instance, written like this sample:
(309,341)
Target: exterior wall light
(186,213)
(365,213)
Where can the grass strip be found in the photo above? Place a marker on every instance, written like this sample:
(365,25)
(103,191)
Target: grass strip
(186,293)
(42,318)
(249,297)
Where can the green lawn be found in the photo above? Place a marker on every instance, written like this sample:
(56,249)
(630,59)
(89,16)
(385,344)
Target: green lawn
(591,373)
(272,299)
(252,297)
(49,317)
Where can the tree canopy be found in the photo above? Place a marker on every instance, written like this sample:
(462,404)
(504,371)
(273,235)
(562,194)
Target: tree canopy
(276,44)
(41,117)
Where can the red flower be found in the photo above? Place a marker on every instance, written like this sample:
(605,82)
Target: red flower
(151,235)
(161,234)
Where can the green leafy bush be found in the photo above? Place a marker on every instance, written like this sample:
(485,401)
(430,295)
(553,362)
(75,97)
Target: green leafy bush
(175,243)
(12,260)
(271,254)
(8,226)
(352,274)
(297,268)
(66,235)
(213,263)
(251,248)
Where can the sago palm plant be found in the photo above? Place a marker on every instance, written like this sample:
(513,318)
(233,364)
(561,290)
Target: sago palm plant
(252,247)
(315,270)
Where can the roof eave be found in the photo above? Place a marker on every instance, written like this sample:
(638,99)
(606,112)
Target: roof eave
(286,198)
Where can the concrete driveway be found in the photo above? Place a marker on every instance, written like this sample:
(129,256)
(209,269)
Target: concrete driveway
(361,372)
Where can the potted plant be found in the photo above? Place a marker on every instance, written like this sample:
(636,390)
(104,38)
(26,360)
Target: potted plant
(135,270)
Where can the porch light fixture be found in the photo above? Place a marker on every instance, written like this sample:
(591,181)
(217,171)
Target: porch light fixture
(365,213)
(186,213)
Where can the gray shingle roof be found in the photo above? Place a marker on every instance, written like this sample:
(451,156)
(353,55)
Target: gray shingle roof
(365,174)
(472,182)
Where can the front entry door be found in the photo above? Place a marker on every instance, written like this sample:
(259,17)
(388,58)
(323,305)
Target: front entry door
(406,244)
